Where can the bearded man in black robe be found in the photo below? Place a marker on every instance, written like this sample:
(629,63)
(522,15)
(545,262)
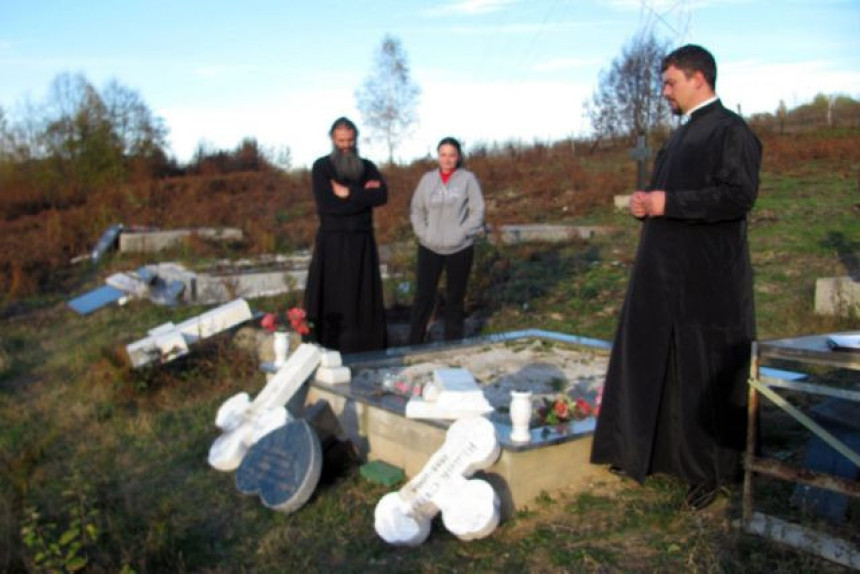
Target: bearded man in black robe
(675,395)
(343,295)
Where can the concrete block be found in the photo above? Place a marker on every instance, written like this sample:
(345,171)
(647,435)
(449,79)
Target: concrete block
(154,241)
(837,296)
(622,202)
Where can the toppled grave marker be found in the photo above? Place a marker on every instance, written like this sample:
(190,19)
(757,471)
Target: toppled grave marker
(283,467)
(470,508)
(245,422)
(96,299)
(168,341)
(154,240)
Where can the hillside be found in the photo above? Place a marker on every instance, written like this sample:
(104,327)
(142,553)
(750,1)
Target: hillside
(103,467)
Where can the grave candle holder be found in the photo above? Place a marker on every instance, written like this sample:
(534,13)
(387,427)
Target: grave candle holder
(521,415)
(282,348)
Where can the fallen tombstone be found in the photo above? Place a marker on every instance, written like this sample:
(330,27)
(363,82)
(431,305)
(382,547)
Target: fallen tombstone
(96,299)
(168,341)
(244,422)
(154,240)
(453,393)
(108,240)
(283,467)
(469,507)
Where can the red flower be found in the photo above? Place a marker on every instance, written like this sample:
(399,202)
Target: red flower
(562,409)
(583,407)
(269,322)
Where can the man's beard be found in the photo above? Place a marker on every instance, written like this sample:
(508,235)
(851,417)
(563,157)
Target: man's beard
(348,167)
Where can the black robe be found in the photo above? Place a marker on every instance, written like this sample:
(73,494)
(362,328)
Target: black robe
(675,393)
(343,294)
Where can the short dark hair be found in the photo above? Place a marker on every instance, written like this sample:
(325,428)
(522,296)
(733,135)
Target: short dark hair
(453,142)
(343,122)
(691,59)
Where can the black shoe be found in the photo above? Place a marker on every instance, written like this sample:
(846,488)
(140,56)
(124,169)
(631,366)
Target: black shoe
(701,495)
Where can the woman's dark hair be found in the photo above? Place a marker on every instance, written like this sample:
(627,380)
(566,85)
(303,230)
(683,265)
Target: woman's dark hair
(453,142)
(343,122)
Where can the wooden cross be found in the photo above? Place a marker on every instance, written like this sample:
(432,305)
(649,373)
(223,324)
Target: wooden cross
(640,153)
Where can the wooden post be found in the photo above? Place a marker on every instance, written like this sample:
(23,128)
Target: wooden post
(752,435)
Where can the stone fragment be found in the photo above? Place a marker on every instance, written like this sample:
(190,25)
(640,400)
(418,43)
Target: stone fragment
(333,375)
(452,394)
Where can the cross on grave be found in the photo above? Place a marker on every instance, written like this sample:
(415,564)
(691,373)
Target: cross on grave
(244,422)
(640,153)
(470,507)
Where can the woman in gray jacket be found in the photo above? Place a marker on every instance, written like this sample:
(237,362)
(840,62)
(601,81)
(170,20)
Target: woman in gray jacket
(447,211)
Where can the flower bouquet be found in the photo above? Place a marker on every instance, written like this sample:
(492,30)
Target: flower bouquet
(296,319)
(564,409)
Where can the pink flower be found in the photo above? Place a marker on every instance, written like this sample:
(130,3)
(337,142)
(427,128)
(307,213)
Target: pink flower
(269,322)
(562,409)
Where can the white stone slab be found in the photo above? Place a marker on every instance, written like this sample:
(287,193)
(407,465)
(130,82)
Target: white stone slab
(470,508)
(128,283)
(168,341)
(330,358)
(216,320)
(159,348)
(418,408)
(333,375)
(838,296)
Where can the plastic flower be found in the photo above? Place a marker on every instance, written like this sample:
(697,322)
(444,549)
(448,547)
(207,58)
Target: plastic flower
(563,409)
(296,319)
(269,322)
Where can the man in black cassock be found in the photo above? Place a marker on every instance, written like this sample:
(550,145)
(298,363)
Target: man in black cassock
(343,295)
(675,394)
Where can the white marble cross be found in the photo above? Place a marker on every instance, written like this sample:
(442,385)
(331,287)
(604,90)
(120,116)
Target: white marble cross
(168,341)
(244,422)
(470,507)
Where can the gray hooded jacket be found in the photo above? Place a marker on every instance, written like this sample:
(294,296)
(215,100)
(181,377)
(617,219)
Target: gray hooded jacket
(446,218)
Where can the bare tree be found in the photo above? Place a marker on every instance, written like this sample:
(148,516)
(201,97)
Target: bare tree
(628,100)
(388,98)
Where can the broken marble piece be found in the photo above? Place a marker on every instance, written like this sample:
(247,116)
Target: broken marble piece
(107,241)
(333,375)
(469,507)
(245,421)
(453,393)
(330,358)
(168,341)
(283,467)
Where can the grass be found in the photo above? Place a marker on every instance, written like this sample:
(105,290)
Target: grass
(85,441)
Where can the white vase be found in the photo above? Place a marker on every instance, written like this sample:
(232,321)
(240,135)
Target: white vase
(282,347)
(521,415)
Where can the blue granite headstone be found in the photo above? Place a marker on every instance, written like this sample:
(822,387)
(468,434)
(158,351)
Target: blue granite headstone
(96,299)
(283,467)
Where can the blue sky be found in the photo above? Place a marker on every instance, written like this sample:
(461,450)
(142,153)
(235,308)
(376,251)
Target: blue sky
(489,70)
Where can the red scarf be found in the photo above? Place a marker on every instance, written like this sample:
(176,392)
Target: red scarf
(446,176)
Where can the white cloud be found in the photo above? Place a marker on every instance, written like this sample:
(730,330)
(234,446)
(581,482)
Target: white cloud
(758,87)
(470,7)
